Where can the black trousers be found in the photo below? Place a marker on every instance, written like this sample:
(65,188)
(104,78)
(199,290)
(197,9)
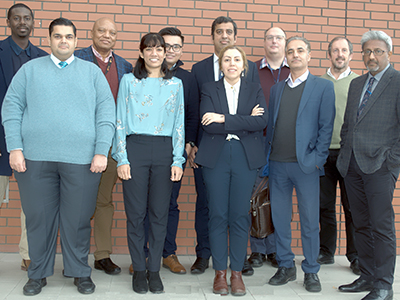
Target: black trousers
(149,190)
(327,216)
(370,197)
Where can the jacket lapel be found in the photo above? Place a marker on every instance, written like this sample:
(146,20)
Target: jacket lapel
(223,101)
(279,92)
(242,99)
(6,60)
(307,92)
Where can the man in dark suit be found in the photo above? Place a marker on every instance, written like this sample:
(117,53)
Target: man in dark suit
(14,52)
(104,36)
(369,161)
(301,114)
(223,33)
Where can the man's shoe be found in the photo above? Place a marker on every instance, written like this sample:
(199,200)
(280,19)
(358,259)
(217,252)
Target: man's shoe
(155,283)
(131,269)
(358,285)
(85,285)
(256,259)
(34,286)
(107,266)
(25,264)
(325,259)
(283,276)
(171,262)
(271,258)
(139,282)
(237,285)
(355,266)
(247,268)
(220,285)
(379,294)
(311,282)
(199,266)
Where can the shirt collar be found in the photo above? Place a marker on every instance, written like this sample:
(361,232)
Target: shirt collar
(176,65)
(298,81)
(56,61)
(17,49)
(379,75)
(264,63)
(235,87)
(98,55)
(341,76)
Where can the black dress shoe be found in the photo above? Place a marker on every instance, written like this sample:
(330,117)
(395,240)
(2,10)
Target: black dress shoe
(34,286)
(199,266)
(283,275)
(325,259)
(271,258)
(85,285)
(355,266)
(139,282)
(107,266)
(256,260)
(358,285)
(155,283)
(379,294)
(247,268)
(311,282)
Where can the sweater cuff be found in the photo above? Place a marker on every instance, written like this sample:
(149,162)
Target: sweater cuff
(102,148)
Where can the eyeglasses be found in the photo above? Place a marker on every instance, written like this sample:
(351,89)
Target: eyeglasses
(277,37)
(377,52)
(174,47)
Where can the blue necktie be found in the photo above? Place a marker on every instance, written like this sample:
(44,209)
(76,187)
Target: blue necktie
(62,64)
(366,97)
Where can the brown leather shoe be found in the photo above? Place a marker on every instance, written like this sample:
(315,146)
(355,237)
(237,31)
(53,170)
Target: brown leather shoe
(220,286)
(171,262)
(25,264)
(237,285)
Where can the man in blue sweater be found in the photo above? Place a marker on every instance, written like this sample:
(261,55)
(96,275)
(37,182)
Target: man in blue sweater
(59,120)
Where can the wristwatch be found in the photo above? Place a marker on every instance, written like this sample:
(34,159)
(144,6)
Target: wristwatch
(191,144)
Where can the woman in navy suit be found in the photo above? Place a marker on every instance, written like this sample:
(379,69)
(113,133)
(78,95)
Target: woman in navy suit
(233,116)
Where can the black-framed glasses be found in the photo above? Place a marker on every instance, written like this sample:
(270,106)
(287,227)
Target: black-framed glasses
(377,52)
(174,47)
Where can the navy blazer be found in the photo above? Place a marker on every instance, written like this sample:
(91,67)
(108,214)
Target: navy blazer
(123,66)
(248,128)
(203,71)
(314,123)
(6,75)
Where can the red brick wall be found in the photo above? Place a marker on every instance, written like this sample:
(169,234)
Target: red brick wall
(317,20)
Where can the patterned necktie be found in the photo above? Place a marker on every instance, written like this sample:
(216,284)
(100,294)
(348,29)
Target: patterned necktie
(62,64)
(366,97)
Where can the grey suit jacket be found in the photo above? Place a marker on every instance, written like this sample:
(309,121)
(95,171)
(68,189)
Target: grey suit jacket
(375,136)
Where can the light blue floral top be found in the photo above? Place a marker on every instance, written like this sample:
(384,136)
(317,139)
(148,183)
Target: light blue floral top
(150,106)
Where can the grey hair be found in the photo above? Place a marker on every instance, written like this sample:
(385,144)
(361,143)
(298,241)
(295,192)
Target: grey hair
(300,38)
(376,35)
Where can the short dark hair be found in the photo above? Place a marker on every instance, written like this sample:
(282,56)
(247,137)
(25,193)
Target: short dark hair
(171,31)
(337,39)
(18,5)
(220,20)
(62,22)
(150,39)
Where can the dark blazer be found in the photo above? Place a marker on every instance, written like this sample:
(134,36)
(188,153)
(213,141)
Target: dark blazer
(314,122)
(6,74)
(375,137)
(203,71)
(246,127)
(123,66)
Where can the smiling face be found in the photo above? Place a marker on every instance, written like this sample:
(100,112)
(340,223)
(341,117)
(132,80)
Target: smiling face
(172,56)
(20,22)
(232,65)
(373,62)
(224,35)
(104,35)
(340,55)
(153,58)
(62,42)
(297,56)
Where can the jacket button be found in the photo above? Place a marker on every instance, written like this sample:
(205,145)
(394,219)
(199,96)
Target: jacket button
(269,143)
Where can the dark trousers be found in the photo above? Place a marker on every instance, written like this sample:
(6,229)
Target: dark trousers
(148,190)
(228,187)
(283,177)
(201,216)
(370,197)
(173,221)
(327,215)
(57,196)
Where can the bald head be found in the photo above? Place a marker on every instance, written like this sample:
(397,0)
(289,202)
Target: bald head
(104,35)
